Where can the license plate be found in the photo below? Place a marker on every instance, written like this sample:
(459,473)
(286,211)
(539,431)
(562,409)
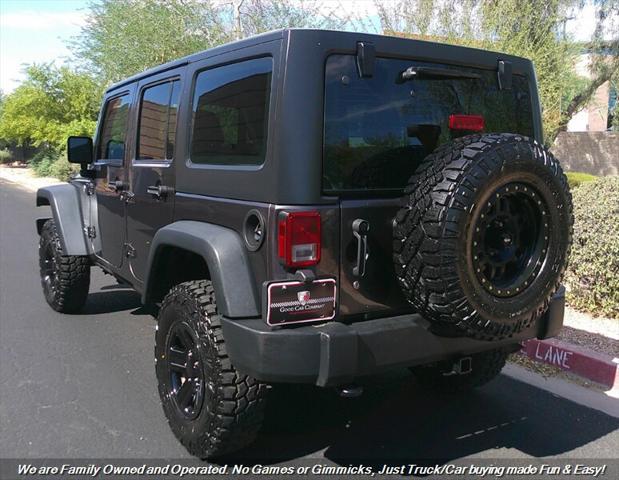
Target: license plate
(297,302)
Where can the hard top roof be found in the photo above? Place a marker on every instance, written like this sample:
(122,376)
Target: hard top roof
(283,33)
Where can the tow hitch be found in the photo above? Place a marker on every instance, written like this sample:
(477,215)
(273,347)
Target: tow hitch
(462,366)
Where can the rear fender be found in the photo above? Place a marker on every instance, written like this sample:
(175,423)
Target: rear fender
(225,256)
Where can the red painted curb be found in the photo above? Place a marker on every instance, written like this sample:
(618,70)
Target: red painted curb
(586,363)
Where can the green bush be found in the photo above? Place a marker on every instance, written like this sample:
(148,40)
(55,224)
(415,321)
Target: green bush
(577,178)
(593,274)
(51,164)
(5,156)
(62,169)
(42,164)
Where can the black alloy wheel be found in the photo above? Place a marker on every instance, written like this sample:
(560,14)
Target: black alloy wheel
(212,408)
(65,279)
(186,371)
(510,240)
(49,267)
(483,236)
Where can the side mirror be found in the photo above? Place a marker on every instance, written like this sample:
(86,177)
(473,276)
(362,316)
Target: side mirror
(79,150)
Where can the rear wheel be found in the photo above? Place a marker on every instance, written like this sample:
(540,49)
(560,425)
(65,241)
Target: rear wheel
(482,240)
(442,377)
(65,278)
(211,407)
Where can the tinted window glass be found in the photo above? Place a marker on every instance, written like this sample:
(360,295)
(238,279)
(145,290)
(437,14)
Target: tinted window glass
(114,130)
(172,115)
(157,127)
(230,114)
(154,122)
(378,129)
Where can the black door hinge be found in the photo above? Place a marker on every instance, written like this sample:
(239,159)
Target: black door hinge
(91,232)
(129,250)
(89,188)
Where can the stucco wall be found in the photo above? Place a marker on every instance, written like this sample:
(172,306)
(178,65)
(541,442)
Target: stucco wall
(590,152)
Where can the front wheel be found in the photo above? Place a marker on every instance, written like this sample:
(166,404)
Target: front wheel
(211,407)
(65,278)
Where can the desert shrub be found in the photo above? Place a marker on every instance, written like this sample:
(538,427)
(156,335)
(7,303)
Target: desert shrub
(44,153)
(593,274)
(62,169)
(54,165)
(576,178)
(5,156)
(42,166)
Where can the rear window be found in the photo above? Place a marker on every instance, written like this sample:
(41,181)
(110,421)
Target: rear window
(230,113)
(157,126)
(378,129)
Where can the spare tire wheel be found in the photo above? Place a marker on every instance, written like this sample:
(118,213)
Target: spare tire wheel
(483,237)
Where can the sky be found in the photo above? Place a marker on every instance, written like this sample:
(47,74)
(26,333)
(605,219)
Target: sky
(38,31)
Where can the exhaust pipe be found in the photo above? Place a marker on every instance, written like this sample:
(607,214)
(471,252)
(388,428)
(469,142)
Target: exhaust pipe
(350,391)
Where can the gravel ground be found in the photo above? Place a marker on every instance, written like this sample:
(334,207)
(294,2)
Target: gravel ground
(24,177)
(592,341)
(609,327)
(548,371)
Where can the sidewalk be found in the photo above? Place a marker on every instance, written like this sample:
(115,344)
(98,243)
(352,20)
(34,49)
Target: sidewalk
(24,177)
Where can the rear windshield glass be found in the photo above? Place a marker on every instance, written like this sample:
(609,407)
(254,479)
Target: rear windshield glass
(378,129)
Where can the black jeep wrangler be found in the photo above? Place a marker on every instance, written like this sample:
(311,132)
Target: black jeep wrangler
(313,206)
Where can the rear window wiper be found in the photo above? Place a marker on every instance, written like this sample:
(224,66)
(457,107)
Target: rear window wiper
(435,73)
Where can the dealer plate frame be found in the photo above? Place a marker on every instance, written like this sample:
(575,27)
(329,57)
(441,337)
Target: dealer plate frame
(267,296)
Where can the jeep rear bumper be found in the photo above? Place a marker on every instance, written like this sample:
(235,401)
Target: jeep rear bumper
(335,353)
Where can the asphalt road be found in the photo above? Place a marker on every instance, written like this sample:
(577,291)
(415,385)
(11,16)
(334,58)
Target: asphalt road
(83,386)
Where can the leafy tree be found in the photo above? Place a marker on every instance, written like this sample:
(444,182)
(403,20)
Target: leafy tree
(603,57)
(124,37)
(51,104)
(258,16)
(533,28)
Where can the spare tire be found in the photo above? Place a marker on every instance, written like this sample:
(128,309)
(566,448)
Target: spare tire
(483,237)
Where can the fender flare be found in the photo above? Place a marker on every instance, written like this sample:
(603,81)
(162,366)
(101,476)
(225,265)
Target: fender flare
(226,258)
(65,205)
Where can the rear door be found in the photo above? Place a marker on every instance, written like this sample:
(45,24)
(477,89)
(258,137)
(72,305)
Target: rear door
(377,132)
(150,199)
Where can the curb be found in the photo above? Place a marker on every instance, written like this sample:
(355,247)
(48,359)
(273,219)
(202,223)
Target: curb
(597,367)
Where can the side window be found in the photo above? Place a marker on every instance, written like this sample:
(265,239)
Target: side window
(157,124)
(230,114)
(114,129)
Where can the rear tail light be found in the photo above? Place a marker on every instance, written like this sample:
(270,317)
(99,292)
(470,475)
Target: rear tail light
(472,123)
(298,238)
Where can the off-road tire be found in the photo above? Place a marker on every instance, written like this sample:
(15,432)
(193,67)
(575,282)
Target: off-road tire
(65,278)
(484,367)
(436,228)
(233,403)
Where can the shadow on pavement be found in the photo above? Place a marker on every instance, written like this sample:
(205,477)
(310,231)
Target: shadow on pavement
(396,422)
(110,301)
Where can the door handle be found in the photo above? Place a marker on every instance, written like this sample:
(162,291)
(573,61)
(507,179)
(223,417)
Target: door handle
(160,191)
(117,186)
(360,229)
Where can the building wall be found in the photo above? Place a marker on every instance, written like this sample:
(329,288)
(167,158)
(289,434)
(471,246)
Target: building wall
(590,152)
(594,117)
